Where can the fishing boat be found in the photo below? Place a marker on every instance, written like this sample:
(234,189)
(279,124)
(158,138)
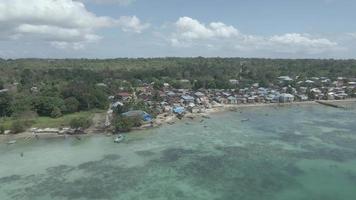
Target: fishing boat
(245,120)
(119,138)
(11,142)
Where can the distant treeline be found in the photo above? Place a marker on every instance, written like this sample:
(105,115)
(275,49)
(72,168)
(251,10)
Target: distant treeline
(206,69)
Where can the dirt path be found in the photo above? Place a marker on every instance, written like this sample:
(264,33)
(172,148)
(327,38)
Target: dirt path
(98,123)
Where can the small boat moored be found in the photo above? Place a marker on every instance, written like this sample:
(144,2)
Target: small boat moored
(119,138)
(245,120)
(11,142)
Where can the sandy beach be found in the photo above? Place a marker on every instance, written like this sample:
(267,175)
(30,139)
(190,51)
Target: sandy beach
(167,118)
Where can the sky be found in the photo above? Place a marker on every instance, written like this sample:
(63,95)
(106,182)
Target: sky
(177,28)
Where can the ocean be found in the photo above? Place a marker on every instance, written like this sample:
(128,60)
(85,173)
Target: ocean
(299,152)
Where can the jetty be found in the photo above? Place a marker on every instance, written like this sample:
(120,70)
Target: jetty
(330,104)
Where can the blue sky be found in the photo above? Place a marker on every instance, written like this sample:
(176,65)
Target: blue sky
(159,28)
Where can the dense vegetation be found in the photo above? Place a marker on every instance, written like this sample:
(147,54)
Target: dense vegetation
(53,88)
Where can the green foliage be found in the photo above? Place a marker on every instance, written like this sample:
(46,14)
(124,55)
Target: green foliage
(56,112)
(125,124)
(88,96)
(2,129)
(71,105)
(5,104)
(22,102)
(1,84)
(20,125)
(80,122)
(158,85)
(46,106)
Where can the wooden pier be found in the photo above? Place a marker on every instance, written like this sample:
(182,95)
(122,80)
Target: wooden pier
(330,104)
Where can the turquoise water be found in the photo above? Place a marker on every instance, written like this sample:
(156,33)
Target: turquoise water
(290,153)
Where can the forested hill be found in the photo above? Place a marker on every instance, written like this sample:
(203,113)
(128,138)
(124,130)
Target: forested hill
(175,68)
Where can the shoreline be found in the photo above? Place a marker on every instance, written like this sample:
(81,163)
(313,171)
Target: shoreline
(165,118)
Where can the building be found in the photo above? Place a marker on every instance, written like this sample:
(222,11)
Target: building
(286,98)
(187,99)
(232,100)
(139,114)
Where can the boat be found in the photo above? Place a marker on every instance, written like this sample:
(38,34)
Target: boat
(119,138)
(245,120)
(11,142)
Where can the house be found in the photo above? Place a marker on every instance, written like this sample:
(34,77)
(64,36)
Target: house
(232,100)
(124,96)
(34,90)
(187,99)
(179,110)
(330,96)
(199,94)
(286,98)
(255,85)
(285,79)
(302,97)
(341,95)
(233,82)
(117,104)
(101,85)
(251,99)
(220,99)
(139,114)
(241,100)
(309,82)
(226,94)
(171,94)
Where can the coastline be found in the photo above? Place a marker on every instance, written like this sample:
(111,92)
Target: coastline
(165,118)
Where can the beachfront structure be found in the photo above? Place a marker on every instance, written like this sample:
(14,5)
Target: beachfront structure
(187,99)
(286,98)
(232,100)
(179,110)
(302,97)
(139,114)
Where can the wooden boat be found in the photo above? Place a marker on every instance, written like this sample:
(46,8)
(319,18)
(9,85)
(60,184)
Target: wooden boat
(119,138)
(11,142)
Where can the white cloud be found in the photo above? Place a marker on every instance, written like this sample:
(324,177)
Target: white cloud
(62,23)
(296,39)
(189,28)
(353,35)
(217,35)
(132,24)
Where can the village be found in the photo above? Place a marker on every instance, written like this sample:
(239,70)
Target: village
(168,104)
(179,102)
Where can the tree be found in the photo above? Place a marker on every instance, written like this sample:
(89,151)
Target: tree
(71,105)
(158,85)
(2,129)
(80,122)
(125,124)
(56,112)
(5,104)
(46,105)
(18,126)
(1,84)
